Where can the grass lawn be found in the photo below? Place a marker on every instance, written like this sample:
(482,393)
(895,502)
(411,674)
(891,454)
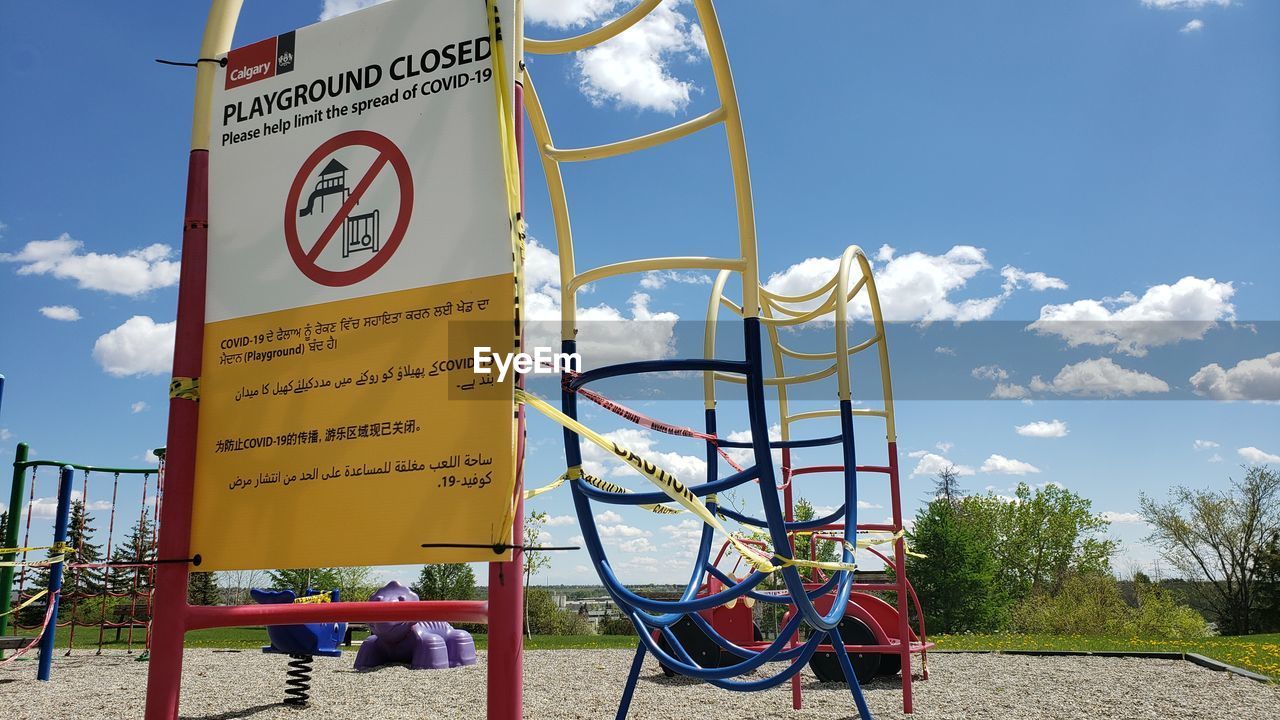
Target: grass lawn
(1259,653)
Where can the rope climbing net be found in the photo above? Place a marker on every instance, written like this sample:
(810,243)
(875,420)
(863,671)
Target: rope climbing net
(816,593)
(107,582)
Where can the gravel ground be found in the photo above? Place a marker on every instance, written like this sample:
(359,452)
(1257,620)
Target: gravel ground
(224,685)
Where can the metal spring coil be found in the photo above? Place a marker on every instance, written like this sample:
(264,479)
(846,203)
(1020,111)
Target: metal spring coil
(298,685)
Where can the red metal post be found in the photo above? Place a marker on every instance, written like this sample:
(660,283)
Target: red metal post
(506,593)
(900,562)
(164,674)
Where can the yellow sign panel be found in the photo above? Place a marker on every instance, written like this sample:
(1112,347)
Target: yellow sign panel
(360,247)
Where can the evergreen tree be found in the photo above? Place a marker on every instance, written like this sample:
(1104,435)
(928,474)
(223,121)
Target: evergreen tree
(138,547)
(956,580)
(451,581)
(202,589)
(80,531)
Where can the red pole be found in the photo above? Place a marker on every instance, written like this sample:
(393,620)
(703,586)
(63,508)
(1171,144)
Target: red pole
(164,673)
(506,593)
(900,575)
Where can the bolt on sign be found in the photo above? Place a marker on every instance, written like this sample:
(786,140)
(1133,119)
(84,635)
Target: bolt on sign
(358,229)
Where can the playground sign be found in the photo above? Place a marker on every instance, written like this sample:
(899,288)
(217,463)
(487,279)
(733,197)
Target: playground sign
(358,230)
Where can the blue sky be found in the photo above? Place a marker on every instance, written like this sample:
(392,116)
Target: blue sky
(1102,167)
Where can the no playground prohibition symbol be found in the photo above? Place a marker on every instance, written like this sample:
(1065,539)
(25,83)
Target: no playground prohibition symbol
(360,233)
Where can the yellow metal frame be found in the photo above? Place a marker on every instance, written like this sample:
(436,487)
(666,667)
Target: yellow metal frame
(772,309)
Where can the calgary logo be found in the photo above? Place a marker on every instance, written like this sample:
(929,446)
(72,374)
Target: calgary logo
(261,60)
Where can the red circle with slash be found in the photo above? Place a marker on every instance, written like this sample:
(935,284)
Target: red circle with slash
(306,259)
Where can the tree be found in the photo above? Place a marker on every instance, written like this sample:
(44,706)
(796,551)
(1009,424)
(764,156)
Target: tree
(827,550)
(77,583)
(202,589)
(1041,537)
(446,581)
(138,548)
(300,580)
(1218,537)
(534,560)
(234,585)
(1269,585)
(947,484)
(352,583)
(957,577)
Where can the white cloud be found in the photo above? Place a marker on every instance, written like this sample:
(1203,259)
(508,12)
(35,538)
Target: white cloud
(1007,466)
(944,446)
(1184,4)
(1043,429)
(931,464)
(608,516)
(47,507)
(916,286)
(140,346)
(1121,517)
(1100,377)
(620,531)
(1015,278)
(1256,379)
(1204,444)
(633,69)
(133,274)
(944,350)
(5,434)
(566,13)
(638,545)
(1195,25)
(138,407)
(65,313)
(606,334)
(1165,314)
(746,456)
(558,520)
(333,8)
(862,505)
(1010,391)
(990,372)
(658,279)
(1215,458)
(690,469)
(1258,457)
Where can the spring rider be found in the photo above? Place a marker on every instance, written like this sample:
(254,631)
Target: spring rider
(423,645)
(300,642)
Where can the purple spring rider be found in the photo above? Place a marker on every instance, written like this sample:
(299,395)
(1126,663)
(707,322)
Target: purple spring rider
(423,645)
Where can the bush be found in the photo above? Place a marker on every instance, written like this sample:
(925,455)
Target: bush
(617,626)
(1091,604)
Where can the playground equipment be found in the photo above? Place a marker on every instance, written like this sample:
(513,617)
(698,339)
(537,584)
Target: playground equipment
(825,606)
(114,593)
(434,645)
(300,642)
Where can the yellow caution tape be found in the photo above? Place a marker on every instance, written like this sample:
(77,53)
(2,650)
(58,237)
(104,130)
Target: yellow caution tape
(56,559)
(26,604)
(15,551)
(676,490)
(314,599)
(185,388)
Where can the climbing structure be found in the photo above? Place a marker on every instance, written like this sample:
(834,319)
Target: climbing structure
(818,595)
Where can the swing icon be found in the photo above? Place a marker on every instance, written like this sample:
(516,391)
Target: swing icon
(360,233)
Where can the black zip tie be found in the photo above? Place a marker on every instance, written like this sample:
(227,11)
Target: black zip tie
(222,62)
(499,548)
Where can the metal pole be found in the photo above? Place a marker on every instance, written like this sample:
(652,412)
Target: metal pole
(10,540)
(55,572)
(169,622)
(505,693)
